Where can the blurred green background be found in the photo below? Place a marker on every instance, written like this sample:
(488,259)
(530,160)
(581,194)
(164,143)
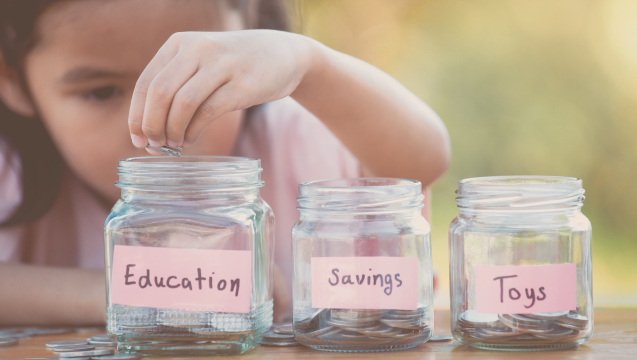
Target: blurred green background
(524,87)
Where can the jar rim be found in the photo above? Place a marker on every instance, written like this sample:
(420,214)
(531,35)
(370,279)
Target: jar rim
(208,160)
(218,172)
(360,195)
(517,180)
(360,183)
(527,193)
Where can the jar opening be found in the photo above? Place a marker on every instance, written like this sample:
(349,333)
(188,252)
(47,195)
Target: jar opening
(354,195)
(521,193)
(189,171)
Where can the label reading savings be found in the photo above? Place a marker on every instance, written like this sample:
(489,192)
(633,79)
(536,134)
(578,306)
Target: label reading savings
(379,283)
(187,279)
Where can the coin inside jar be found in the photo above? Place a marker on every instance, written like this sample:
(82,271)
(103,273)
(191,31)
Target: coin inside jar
(363,327)
(530,329)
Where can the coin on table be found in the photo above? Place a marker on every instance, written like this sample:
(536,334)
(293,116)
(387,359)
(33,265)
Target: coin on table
(118,356)
(285,329)
(270,338)
(88,353)
(440,338)
(65,343)
(60,349)
(102,343)
(8,342)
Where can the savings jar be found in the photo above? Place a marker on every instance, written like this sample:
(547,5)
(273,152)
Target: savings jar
(362,272)
(520,264)
(189,256)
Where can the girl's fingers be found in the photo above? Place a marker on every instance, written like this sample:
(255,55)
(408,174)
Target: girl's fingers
(217,104)
(138,101)
(160,95)
(187,100)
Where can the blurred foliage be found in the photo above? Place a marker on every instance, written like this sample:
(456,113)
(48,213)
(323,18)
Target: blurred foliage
(525,87)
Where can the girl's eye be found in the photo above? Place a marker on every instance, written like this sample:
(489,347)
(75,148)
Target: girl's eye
(101,94)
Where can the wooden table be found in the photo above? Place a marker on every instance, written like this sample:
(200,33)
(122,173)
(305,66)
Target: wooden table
(615,337)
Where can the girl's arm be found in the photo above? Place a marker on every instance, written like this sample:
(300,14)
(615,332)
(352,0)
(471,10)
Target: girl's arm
(197,77)
(390,130)
(31,295)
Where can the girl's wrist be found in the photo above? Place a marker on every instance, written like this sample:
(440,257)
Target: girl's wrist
(314,60)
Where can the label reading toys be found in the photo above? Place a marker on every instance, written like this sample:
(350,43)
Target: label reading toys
(525,289)
(377,283)
(187,279)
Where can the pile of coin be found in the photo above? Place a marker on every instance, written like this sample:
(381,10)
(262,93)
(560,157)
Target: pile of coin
(364,327)
(281,335)
(11,336)
(525,329)
(166,150)
(95,347)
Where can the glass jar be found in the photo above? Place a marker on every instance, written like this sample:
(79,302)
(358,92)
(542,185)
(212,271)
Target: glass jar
(361,262)
(189,256)
(520,264)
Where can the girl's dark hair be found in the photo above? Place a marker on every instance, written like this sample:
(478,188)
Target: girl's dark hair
(42,165)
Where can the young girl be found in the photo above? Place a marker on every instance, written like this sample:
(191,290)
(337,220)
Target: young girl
(197,79)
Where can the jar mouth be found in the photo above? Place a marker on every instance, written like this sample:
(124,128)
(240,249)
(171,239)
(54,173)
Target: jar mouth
(355,195)
(189,171)
(520,193)
(520,180)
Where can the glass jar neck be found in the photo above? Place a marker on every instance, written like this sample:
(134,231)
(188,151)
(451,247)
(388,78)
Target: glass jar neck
(520,196)
(189,178)
(360,197)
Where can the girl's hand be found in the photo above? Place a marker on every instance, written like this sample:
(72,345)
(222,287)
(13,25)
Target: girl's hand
(198,76)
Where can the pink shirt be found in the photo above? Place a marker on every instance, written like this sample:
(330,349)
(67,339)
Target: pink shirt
(293,145)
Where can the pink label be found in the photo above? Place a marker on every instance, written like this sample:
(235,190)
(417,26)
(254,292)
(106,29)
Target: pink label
(187,279)
(377,282)
(525,289)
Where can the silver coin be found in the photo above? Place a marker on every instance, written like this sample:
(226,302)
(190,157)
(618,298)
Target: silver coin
(285,329)
(166,150)
(280,344)
(88,353)
(67,348)
(575,319)
(522,327)
(65,343)
(440,338)
(524,320)
(99,337)
(8,342)
(476,319)
(502,332)
(558,332)
(547,316)
(118,356)
(102,343)
(274,337)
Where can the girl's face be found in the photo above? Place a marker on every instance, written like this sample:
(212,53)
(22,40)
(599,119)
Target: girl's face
(83,68)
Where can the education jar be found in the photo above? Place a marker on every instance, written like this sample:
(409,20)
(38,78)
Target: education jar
(189,256)
(520,264)
(362,272)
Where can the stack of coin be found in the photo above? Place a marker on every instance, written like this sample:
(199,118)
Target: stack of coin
(281,335)
(364,327)
(527,329)
(97,346)
(10,336)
